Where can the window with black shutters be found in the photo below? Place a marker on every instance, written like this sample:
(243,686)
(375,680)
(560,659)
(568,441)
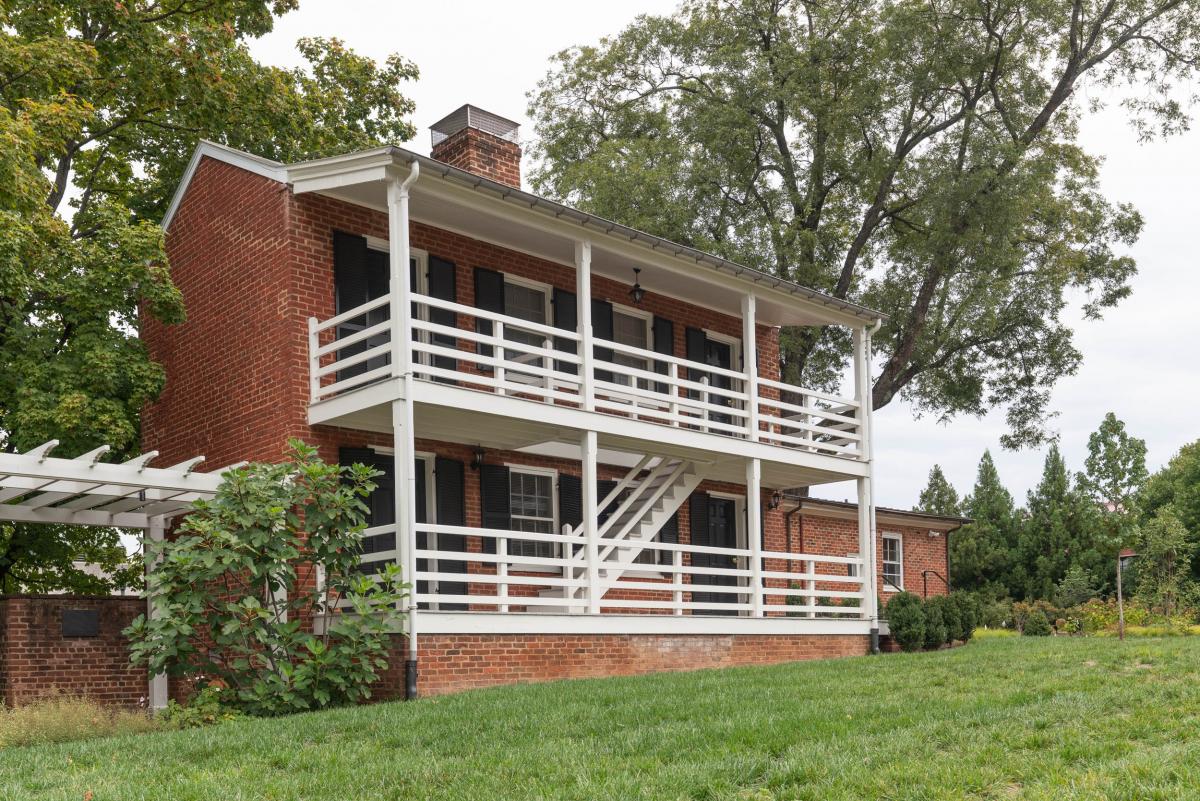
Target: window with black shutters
(533,507)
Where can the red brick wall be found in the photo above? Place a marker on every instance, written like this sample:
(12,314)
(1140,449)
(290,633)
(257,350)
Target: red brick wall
(36,660)
(836,536)
(453,662)
(483,154)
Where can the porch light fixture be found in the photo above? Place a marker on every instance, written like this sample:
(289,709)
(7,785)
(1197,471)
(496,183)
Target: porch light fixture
(637,293)
(776,500)
(477,458)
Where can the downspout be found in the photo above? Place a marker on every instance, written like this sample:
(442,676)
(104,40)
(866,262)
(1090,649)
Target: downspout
(868,404)
(399,336)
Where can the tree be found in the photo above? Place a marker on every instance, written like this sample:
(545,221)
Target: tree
(101,105)
(982,552)
(1113,476)
(1164,581)
(1060,532)
(939,496)
(920,158)
(1178,486)
(234,594)
(1075,588)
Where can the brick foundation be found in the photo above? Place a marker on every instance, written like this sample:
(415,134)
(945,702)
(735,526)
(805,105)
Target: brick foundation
(454,662)
(37,660)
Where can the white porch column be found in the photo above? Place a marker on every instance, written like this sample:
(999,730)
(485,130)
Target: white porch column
(583,315)
(754,532)
(750,365)
(400,290)
(587,446)
(866,502)
(158,682)
(399,254)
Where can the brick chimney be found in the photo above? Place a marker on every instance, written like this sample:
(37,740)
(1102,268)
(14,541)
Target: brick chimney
(480,142)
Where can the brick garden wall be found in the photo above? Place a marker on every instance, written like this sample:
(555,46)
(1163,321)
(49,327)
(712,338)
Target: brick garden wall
(37,660)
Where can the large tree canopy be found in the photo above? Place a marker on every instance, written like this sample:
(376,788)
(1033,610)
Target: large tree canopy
(919,157)
(101,105)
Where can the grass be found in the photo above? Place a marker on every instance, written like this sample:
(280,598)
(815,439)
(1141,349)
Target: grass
(60,719)
(1030,718)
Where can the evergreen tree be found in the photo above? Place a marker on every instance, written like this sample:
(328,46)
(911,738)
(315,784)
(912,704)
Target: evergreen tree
(939,497)
(981,552)
(1061,530)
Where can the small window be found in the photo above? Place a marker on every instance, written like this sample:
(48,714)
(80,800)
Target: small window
(531,495)
(632,329)
(893,562)
(527,303)
(852,569)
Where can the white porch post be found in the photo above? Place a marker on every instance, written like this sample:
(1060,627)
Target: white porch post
(583,315)
(402,410)
(754,532)
(158,682)
(866,502)
(587,445)
(750,365)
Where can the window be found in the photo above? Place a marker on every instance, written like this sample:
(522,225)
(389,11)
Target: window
(893,562)
(526,302)
(851,569)
(632,329)
(531,498)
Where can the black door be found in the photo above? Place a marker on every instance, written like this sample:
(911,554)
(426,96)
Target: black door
(719,354)
(714,524)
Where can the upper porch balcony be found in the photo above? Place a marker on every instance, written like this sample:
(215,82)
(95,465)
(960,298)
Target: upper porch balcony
(535,360)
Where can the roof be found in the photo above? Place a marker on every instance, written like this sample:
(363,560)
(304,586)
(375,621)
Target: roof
(503,193)
(942,522)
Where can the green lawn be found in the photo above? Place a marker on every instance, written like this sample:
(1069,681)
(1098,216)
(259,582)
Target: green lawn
(1012,718)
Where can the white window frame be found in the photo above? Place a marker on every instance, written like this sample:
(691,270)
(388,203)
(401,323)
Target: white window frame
(735,346)
(557,528)
(512,372)
(899,539)
(648,319)
(852,570)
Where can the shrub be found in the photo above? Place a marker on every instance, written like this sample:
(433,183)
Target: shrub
(1021,612)
(1037,625)
(61,719)
(233,605)
(936,634)
(967,607)
(906,621)
(951,617)
(202,709)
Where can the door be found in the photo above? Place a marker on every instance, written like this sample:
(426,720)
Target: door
(714,524)
(719,354)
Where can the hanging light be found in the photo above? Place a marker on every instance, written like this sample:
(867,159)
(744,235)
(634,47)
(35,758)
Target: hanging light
(477,458)
(637,293)
(776,500)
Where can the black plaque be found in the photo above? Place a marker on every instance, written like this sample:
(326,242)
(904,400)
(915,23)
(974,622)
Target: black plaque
(80,623)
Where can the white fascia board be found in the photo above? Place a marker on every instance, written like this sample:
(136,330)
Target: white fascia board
(336,172)
(535,623)
(238,158)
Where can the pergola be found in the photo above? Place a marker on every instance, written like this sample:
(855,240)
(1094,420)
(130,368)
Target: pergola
(36,487)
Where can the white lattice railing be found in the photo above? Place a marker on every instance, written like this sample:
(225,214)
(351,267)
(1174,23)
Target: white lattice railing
(505,355)
(491,575)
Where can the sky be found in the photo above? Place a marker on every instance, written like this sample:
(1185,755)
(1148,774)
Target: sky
(1140,362)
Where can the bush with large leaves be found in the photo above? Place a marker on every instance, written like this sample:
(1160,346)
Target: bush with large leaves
(247,596)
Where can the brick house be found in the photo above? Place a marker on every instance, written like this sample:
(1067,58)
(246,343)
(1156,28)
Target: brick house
(584,437)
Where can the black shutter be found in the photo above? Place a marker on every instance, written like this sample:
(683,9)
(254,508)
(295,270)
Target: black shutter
(489,296)
(603,487)
(381,503)
(349,271)
(495,501)
(697,346)
(602,329)
(443,285)
(669,533)
(664,342)
(566,317)
(451,511)
(570,500)
(698,507)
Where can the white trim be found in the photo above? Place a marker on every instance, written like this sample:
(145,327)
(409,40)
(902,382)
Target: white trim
(898,537)
(237,158)
(552,473)
(735,347)
(535,623)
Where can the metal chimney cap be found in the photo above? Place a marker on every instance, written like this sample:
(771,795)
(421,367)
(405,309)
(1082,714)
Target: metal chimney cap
(468,116)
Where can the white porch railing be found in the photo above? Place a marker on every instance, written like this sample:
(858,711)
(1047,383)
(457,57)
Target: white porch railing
(506,355)
(492,575)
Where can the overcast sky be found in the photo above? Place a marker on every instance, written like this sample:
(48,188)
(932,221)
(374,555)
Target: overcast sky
(1140,362)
